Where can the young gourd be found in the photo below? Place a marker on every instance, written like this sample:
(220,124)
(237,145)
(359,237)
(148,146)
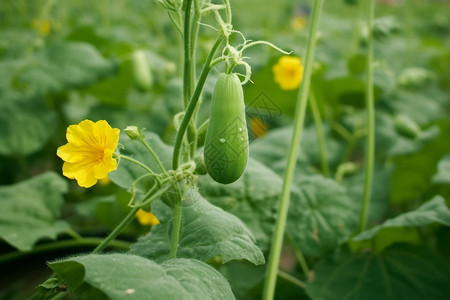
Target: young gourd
(226,142)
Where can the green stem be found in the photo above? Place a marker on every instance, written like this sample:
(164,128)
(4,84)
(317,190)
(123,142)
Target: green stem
(320,134)
(58,245)
(370,147)
(187,78)
(137,163)
(277,242)
(292,279)
(301,259)
(109,239)
(192,104)
(177,214)
(155,157)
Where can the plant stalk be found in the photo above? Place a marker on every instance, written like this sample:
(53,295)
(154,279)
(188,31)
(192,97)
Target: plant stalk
(277,242)
(320,134)
(116,231)
(192,104)
(370,107)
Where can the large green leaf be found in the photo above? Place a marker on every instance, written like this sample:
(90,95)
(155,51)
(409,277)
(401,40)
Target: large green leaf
(26,126)
(206,231)
(396,273)
(29,210)
(413,173)
(253,198)
(272,150)
(443,174)
(321,215)
(64,65)
(379,202)
(434,211)
(122,276)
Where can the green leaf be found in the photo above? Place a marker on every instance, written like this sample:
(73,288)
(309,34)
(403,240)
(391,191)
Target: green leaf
(413,173)
(29,210)
(443,174)
(272,148)
(26,126)
(321,215)
(433,211)
(60,66)
(121,276)
(379,203)
(127,172)
(396,273)
(253,199)
(206,231)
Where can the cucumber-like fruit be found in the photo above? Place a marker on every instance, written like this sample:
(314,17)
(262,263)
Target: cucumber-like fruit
(226,142)
(142,75)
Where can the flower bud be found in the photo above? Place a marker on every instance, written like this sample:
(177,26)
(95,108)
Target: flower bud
(134,133)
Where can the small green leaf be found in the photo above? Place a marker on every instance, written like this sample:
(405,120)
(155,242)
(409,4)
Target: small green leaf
(443,174)
(434,211)
(253,198)
(26,126)
(321,215)
(122,276)
(29,210)
(207,231)
(397,273)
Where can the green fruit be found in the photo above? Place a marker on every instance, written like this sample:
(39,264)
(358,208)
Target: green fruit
(141,71)
(226,142)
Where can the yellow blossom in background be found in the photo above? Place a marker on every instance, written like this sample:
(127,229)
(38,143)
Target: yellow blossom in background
(288,72)
(258,127)
(298,22)
(146,218)
(88,155)
(41,26)
(104,181)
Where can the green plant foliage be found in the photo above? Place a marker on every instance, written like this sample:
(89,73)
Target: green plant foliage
(26,126)
(127,173)
(56,67)
(396,273)
(443,174)
(31,210)
(121,276)
(207,231)
(253,199)
(434,211)
(321,215)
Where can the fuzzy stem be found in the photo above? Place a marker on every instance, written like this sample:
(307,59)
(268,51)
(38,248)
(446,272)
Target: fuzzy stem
(192,104)
(370,147)
(277,242)
(155,157)
(177,214)
(292,279)
(116,231)
(187,74)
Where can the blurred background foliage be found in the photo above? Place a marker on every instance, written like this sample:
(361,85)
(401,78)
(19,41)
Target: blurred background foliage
(65,61)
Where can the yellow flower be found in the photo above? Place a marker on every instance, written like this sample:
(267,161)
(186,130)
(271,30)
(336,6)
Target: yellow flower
(42,26)
(146,218)
(288,72)
(298,22)
(88,155)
